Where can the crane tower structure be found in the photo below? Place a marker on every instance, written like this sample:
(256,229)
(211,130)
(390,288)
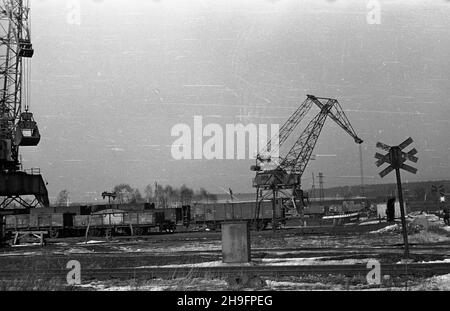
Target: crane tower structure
(281,181)
(17,125)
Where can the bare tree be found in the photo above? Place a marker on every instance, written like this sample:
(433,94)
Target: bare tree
(203,194)
(148,193)
(186,195)
(127,194)
(420,192)
(62,198)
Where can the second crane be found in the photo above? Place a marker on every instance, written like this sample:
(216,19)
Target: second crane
(281,179)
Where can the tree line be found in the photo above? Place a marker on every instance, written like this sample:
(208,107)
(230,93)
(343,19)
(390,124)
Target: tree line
(161,195)
(412,191)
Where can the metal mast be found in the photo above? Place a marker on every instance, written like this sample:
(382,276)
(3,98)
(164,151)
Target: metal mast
(321,194)
(17,126)
(284,179)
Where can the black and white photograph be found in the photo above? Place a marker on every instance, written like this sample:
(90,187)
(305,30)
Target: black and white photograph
(224,152)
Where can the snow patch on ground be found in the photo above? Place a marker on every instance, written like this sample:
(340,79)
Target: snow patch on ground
(105,287)
(282,253)
(390,228)
(268,262)
(439,282)
(91,242)
(21,254)
(428,237)
(215,246)
(422,220)
(158,285)
(310,261)
(216,263)
(373,222)
(446,260)
(27,244)
(77,251)
(283,285)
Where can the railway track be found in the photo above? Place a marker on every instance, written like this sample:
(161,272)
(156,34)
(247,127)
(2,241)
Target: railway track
(421,248)
(412,269)
(215,234)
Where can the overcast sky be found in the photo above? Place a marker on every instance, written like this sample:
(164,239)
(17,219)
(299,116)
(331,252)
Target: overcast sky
(108,87)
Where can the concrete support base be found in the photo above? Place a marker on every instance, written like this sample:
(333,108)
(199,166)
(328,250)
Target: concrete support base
(236,242)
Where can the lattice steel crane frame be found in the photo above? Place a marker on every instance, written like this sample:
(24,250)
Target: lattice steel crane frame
(285,179)
(17,127)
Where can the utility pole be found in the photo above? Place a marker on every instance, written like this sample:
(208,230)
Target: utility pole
(156,195)
(313,188)
(402,211)
(274,206)
(321,194)
(361,171)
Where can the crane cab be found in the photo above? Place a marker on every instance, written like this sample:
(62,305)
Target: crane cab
(27,132)
(25,48)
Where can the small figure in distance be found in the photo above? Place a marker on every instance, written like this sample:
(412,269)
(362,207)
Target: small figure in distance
(446,215)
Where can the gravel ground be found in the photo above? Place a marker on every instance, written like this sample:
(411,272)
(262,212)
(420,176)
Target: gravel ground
(203,249)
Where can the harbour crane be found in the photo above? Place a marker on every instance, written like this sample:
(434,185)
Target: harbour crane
(17,125)
(281,177)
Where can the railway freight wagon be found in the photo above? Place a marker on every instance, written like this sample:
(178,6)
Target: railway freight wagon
(75,220)
(54,223)
(58,221)
(212,214)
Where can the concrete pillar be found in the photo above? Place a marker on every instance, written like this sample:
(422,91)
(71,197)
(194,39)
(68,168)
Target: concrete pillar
(235,242)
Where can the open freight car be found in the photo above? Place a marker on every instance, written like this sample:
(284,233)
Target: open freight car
(118,222)
(213,214)
(53,223)
(135,219)
(57,221)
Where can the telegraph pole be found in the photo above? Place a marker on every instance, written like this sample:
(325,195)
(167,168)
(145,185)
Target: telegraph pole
(402,211)
(321,194)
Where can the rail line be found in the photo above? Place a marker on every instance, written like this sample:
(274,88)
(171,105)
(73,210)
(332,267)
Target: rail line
(416,269)
(438,248)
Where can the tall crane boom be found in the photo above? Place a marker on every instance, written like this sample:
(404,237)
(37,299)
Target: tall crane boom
(337,114)
(285,178)
(300,153)
(298,156)
(287,128)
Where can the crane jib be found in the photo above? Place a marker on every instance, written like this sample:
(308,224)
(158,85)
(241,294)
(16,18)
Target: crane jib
(299,154)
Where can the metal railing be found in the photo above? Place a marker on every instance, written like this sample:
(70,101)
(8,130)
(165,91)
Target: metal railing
(33,171)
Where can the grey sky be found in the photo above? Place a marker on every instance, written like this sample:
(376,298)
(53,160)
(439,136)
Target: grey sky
(107,92)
